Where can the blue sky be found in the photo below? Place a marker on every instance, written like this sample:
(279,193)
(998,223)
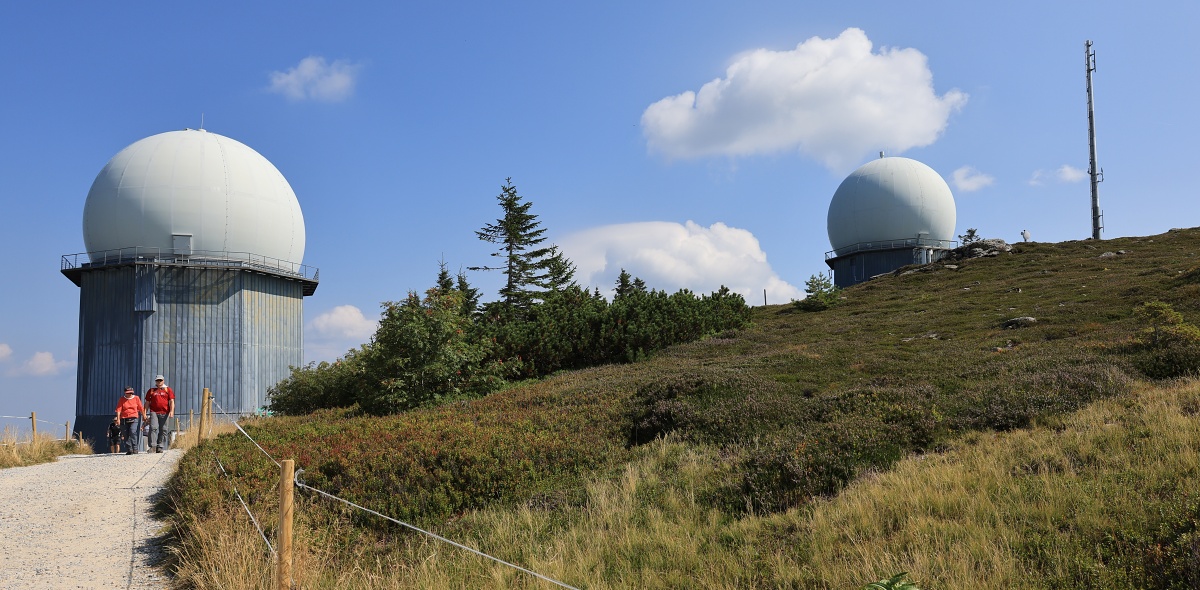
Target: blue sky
(692,143)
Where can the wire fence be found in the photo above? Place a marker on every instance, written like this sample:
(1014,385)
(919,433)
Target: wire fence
(301,485)
(33,420)
(245,506)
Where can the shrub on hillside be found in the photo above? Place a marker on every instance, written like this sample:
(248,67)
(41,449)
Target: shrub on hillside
(573,329)
(815,460)
(320,385)
(820,294)
(662,407)
(425,350)
(1169,347)
(1017,400)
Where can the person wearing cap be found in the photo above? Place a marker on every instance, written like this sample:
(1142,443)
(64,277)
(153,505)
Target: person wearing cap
(160,400)
(129,409)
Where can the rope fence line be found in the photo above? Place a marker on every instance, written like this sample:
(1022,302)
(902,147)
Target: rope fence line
(33,420)
(303,485)
(299,484)
(39,420)
(245,506)
(243,431)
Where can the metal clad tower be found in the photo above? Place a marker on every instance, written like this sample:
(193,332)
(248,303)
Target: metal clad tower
(889,213)
(193,270)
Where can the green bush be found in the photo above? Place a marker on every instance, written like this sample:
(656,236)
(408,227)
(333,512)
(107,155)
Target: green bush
(321,385)
(425,350)
(1016,399)
(1169,347)
(820,294)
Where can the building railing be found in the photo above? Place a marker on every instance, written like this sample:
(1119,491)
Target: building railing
(206,258)
(892,245)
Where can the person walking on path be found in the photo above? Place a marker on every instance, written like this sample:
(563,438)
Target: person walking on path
(160,400)
(114,436)
(129,409)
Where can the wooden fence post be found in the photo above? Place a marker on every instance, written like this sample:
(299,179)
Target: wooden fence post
(33,421)
(191,416)
(203,413)
(67,431)
(208,418)
(286,474)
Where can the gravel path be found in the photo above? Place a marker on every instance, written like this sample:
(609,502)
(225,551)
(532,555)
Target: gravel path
(83,522)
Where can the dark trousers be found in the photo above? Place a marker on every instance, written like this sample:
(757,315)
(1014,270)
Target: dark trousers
(131,433)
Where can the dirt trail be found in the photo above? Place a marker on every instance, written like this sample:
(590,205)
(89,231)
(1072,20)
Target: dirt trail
(83,521)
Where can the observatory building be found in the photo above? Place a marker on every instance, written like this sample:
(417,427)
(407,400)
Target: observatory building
(889,213)
(193,271)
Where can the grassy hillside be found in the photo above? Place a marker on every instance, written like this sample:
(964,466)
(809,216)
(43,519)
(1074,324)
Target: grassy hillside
(711,460)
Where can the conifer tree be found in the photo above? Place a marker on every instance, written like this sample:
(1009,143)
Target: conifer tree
(444,283)
(530,269)
(470,295)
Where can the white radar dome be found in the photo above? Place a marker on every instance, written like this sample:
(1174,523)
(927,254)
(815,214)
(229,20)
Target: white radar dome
(891,199)
(196,190)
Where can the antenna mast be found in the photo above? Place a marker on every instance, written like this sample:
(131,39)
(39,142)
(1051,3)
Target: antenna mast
(1096,174)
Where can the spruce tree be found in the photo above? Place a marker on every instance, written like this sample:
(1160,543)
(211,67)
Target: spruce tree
(530,269)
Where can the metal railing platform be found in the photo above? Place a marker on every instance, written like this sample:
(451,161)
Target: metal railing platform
(75,264)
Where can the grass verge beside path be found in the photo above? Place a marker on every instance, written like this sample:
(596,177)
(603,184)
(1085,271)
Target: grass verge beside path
(15,452)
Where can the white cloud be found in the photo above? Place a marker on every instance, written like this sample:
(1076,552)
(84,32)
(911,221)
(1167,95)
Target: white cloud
(669,256)
(41,364)
(967,179)
(834,99)
(344,321)
(1064,173)
(1068,173)
(315,79)
(5,351)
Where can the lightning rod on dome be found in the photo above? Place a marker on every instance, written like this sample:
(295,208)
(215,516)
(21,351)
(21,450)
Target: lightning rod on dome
(201,121)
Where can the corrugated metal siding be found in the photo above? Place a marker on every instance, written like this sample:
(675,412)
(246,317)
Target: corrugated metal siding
(860,266)
(109,340)
(235,332)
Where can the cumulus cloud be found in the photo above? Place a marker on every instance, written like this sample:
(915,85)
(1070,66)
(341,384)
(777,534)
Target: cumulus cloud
(41,364)
(316,79)
(670,256)
(835,100)
(967,179)
(5,351)
(1067,173)
(344,321)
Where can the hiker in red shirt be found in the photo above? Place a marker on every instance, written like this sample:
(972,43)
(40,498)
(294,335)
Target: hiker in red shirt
(161,402)
(129,409)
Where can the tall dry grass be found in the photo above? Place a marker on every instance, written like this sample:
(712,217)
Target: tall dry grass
(1028,508)
(18,451)
(191,437)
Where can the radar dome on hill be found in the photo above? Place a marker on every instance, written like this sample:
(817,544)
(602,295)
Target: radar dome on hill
(195,190)
(889,213)
(891,199)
